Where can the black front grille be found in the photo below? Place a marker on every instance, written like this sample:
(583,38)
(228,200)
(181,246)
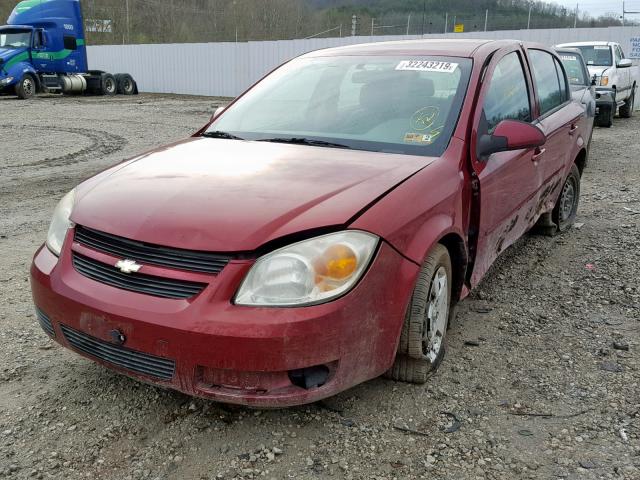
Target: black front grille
(45,323)
(138,362)
(181,259)
(135,282)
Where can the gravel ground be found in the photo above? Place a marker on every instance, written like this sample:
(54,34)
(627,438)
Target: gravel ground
(541,377)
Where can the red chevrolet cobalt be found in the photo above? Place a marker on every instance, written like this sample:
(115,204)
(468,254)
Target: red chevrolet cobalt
(319,231)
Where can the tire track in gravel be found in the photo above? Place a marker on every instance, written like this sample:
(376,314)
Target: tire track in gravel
(102,143)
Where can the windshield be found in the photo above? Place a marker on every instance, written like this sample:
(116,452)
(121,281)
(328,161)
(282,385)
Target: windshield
(388,104)
(575,71)
(14,38)
(597,55)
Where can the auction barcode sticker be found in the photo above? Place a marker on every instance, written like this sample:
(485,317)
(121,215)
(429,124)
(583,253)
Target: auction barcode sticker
(427,66)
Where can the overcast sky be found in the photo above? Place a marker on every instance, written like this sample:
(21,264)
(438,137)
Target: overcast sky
(600,7)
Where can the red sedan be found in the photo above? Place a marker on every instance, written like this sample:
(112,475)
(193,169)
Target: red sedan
(319,231)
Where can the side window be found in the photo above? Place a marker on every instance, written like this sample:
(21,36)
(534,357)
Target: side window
(545,76)
(620,52)
(564,87)
(70,42)
(508,96)
(616,51)
(39,39)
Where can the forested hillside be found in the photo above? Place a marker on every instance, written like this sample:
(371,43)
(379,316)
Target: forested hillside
(153,21)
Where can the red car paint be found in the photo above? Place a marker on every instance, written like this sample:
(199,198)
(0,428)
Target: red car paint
(233,196)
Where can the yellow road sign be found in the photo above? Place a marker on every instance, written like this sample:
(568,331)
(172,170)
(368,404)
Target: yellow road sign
(458,28)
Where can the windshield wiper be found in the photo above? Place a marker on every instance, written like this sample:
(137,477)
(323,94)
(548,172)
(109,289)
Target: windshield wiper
(304,141)
(220,134)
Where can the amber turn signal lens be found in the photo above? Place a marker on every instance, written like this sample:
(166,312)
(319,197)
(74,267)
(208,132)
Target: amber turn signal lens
(338,262)
(604,81)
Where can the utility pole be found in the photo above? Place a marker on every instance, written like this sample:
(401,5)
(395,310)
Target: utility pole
(408,23)
(354,25)
(446,21)
(529,20)
(623,12)
(373,20)
(424,15)
(486,19)
(128,29)
(575,20)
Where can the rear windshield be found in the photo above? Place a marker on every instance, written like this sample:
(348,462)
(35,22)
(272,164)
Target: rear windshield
(387,104)
(574,67)
(597,55)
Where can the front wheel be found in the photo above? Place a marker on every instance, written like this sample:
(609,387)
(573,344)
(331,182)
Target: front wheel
(26,88)
(566,208)
(422,340)
(605,117)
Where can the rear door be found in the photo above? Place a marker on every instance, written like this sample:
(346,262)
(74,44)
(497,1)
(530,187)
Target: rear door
(509,182)
(562,119)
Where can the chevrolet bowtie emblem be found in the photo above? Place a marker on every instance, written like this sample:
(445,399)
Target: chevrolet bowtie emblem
(128,266)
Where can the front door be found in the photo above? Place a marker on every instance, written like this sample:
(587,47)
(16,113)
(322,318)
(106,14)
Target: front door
(509,182)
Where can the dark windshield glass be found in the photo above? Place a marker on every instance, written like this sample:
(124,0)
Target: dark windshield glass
(573,65)
(14,38)
(389,104)
(597,55)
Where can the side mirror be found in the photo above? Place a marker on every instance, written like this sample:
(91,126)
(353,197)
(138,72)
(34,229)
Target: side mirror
(594,81)
(218,111)
(625,63)
(510,135)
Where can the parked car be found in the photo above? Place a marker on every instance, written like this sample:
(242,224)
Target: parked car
(615,75)
(582,85)
(320,230)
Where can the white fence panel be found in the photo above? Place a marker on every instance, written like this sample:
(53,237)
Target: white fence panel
(226,69)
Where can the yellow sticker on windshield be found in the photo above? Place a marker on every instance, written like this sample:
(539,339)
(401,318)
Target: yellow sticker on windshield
(428,139)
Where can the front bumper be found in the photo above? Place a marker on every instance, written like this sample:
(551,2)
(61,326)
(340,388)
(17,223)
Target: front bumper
(208,347)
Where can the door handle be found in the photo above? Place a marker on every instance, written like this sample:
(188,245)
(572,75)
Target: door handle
(538,153)
(573,129)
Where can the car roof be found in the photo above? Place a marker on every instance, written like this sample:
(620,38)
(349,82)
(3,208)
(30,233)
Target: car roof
(441,47)
(585,44)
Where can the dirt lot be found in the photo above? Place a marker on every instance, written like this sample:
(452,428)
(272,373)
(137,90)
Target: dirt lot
(531,374)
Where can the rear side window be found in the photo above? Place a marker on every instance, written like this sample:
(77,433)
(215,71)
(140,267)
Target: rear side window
(551,93)
(575,71)
(564,86)
(70,42)
(507,96)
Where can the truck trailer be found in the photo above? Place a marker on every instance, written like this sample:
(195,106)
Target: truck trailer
(43,49)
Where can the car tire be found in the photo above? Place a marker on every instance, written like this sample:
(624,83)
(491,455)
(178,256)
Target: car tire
(605,117)
(566,208)
(126,84)
(626,110)
(422,341)
(108,84)
(27,87)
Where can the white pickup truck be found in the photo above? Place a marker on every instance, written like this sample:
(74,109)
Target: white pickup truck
(615,79)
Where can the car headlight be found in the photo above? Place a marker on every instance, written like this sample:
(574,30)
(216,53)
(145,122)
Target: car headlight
(604,81)
(6,81)
(60,223)
(308,272)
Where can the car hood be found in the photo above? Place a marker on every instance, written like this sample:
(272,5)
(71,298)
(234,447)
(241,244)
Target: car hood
(596,70)
(230,195)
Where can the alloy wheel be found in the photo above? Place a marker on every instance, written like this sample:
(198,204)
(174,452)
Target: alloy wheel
(437,314)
